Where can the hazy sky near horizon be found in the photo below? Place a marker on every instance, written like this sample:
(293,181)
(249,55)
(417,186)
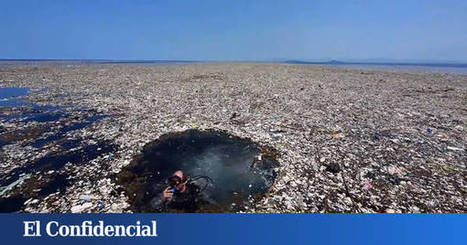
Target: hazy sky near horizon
(403,30)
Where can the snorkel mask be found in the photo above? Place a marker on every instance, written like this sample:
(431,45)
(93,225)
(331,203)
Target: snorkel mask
(173,182)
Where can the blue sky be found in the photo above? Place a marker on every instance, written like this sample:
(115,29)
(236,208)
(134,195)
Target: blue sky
(396,30)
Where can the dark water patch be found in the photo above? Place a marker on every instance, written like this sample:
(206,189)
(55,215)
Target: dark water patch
(42,125)
(12,92)
(56,183)
(85,154)
(80,125)
(21,134)
(43,117)
(25,114)
(23,111)
(74,126)
(56,161)
(70,144)
(12,102)
(43,114)
(19,111)
(38,143)
(11,204)
(95,118)
(13,106)
(36,188)
(32,117)
(48,108)
(8,96)
(229,170)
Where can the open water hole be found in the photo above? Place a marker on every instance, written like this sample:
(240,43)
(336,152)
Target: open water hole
(229,170)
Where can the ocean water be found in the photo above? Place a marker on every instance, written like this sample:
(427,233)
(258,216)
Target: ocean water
(449,68)
(412,68)
(7,63)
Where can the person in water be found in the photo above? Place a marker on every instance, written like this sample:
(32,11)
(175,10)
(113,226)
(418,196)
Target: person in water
(181,194)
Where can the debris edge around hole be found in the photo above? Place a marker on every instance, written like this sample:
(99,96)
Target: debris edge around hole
(126,175)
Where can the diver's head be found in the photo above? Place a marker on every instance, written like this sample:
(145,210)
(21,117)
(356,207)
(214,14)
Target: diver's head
(180,174)
(178,181)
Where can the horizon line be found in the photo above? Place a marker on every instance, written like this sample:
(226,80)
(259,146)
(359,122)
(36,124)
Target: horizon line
(288,61)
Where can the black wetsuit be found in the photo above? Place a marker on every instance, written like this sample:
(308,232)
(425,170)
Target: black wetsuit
(186,201)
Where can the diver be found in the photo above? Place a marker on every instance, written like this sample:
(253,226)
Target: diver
(181,194)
